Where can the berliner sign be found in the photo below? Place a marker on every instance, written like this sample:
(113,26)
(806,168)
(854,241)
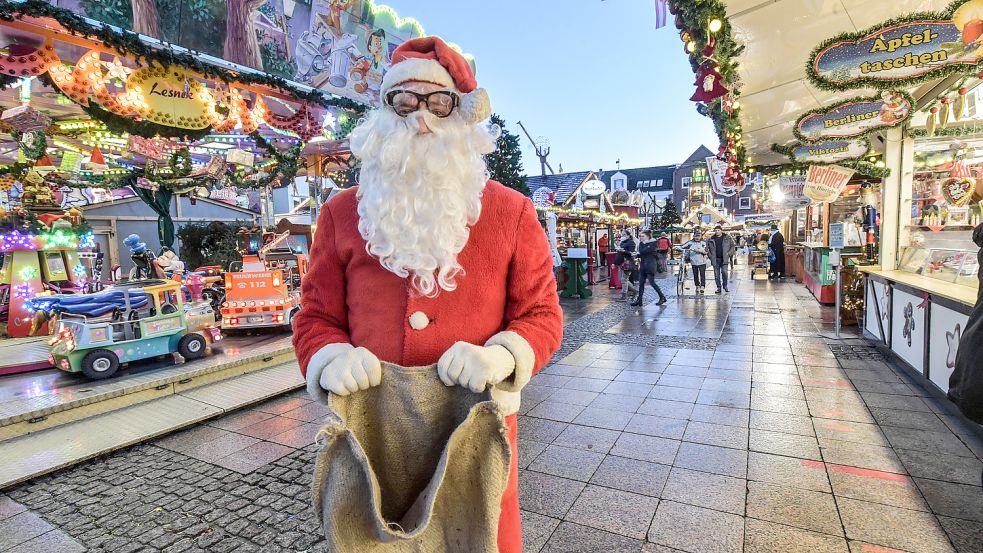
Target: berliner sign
(854,118)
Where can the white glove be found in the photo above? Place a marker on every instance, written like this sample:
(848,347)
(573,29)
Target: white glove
(350,371)
(475,367)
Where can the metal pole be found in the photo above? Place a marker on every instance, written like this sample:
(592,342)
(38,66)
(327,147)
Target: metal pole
(837,296)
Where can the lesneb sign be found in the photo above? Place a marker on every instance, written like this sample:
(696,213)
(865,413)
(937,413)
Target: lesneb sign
(170,97)
(854,118)
(830,151)
(918,47)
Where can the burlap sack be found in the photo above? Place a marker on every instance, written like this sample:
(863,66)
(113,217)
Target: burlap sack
(412,465)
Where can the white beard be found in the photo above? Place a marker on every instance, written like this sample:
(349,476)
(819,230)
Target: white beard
(419,194)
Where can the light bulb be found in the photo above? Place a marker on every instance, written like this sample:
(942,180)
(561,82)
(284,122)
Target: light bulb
(691,46)
(716,25)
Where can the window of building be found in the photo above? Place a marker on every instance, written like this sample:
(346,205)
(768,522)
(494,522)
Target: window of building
(620,183)
(658,183)
(718,203)
(686,181)
(745,203)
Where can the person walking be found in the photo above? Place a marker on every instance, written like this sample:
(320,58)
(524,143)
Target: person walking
(662,248)
(721,250)
(602,249)
(626,250)
(697,249)
(648,252)
(776,243)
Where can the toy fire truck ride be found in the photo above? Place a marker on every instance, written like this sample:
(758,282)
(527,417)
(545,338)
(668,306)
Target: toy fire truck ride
(147,319)
(266,292)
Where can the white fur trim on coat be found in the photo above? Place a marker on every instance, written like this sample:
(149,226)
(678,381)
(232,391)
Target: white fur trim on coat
(416,69)
(315,367)
(476,106)
(506,393)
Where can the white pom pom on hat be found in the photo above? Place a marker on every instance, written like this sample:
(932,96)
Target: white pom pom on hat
(430,59)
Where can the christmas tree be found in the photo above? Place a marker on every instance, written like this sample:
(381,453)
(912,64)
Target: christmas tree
(505,163)
(670,215)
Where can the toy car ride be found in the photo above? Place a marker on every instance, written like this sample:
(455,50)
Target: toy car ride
(149,319)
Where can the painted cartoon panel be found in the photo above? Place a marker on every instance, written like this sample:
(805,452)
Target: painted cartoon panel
(946,331)
(342,46)
(908,328)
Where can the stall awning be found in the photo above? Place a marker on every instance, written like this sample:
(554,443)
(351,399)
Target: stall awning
(779,37)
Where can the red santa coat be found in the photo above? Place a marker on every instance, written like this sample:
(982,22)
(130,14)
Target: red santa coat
(507,296)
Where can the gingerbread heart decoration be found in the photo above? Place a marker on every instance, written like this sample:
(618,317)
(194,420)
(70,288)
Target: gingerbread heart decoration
(957,192)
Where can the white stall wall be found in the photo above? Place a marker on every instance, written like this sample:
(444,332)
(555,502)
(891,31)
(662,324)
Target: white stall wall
(947,327)
(877,299)
(908,332)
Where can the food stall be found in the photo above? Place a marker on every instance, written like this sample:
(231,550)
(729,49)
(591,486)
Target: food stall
(818,274)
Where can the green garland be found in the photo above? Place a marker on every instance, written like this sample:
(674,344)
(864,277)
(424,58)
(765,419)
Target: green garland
(129,43)
(693,17)
(864,82)
(787,151)
(286,165)
(180,163)
(865,168)
(826,109)
(969,130)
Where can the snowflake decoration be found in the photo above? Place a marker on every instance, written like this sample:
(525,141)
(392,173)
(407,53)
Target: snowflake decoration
(28,273)
(23,291)
(79,270)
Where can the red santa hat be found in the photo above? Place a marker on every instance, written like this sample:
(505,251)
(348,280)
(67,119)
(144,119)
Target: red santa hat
(430,59)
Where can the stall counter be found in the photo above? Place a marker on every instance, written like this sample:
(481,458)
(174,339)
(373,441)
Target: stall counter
(920,319)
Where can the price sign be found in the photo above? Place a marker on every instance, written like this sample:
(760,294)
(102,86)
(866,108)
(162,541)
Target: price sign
(836,235)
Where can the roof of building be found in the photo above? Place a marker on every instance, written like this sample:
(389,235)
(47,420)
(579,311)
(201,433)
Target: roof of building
(563,184)
(643,178)
(700,155)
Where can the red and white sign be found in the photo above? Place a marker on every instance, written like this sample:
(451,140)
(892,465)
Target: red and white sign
(825,183)
(543,197)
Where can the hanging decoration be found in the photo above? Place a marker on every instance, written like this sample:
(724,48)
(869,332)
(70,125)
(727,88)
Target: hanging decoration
(96,160)
(855,117)
(32,144)
(709,83)
(957,192)
(902,52)
(944,112)
(959,110)
(24,118)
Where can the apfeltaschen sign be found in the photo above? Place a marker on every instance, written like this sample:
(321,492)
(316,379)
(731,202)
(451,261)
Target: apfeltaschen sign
(921,46)
(830,151)
(854,118)
(825,183)
(170,97)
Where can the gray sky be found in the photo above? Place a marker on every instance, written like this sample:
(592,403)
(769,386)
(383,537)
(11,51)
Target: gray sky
(594,77)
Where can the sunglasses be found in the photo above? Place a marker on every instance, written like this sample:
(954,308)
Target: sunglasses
(440,103)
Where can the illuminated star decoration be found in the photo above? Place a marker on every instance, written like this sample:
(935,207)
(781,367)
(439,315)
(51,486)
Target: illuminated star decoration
(87,241)
(116,70)
(23,291)
(330,121)
(952,339)
(16,241)
(27,273)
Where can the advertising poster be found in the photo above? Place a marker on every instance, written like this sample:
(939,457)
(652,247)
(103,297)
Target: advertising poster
(825,183)
(908,328)
(946,331)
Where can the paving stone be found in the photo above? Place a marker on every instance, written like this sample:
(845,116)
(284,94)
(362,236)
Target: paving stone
(282,405)
(953,500)
(788,471)
(575,538)
(528,451)
(254,456)
(646,448)
(685,370)
(685,527)
(603,418)
(712,491)
(536,530)
(936,466)
(631,475)
(796,507)
(680,381)
(638,377)
(767,537)
(598,440)
(789,445)
(540,430)
(265,430)
(550,380)
(547,494)
(298,437)
(663,427)
(241,419)
(713,459)
(600,373)
(586,384)
(785,405)
(860,455)
(616,511)
(892,527)
(573,463)
(908,419)
(573,397)
(966,535)
(663,408)
(876,486)
(673,393)
(926,440)
(312,412)
(732,386)
(893,401)
(9,507)
(563,412)
(849,431)
(720,415)
(20,528)
(716,434)
(616,402)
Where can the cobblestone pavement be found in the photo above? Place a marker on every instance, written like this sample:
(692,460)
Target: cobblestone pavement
(713,424)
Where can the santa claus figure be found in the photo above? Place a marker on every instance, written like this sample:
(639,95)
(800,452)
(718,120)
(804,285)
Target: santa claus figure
(427,261)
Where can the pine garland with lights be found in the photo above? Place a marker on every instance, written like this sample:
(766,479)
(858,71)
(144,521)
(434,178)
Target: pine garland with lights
(909,82)
(505,163)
